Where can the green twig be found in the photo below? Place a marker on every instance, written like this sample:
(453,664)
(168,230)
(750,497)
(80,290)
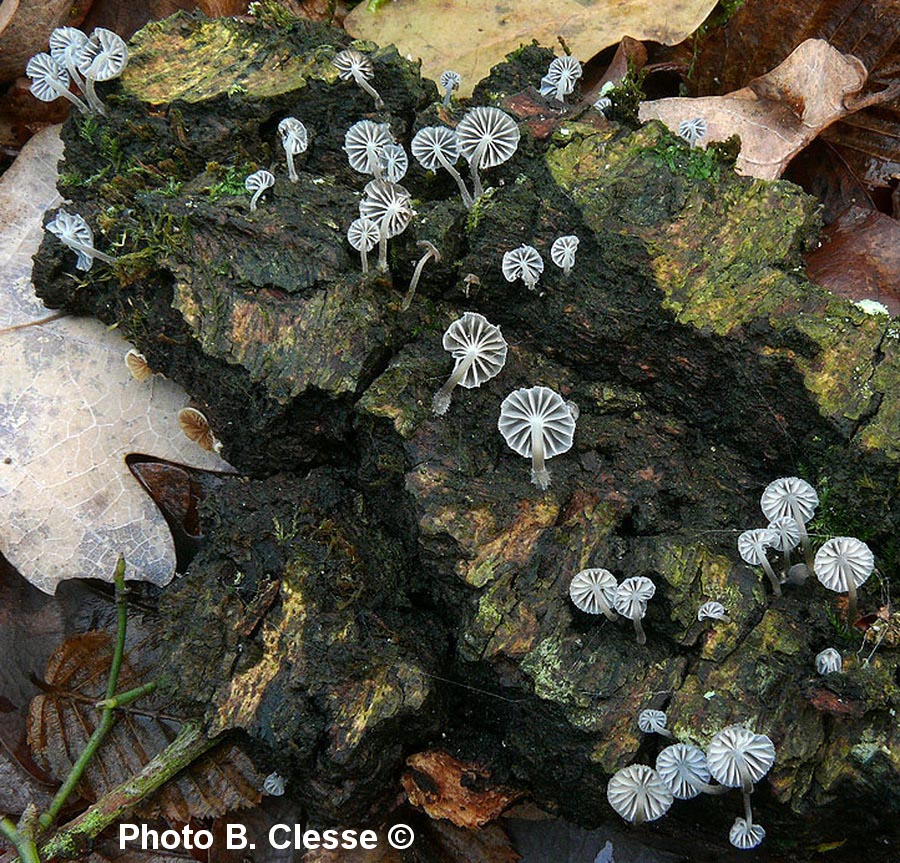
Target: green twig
(24,845)
(126,697)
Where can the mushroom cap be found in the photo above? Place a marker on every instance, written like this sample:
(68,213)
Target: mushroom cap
(788,531)
(711,611)
(564,70)
(363,232)
(843,558)
(590,587)
(363,143)
(752,544)
(829,661)
(540,408)
(388,205)
(474,335)
(746,836)
(638,793)
(490,125)
(789,495)
(431,140)
(71,229)
(351,63)
(273,784)
(632,596)
(294,137)
(450,79)
(394,162)
(66,44)
(652,721)
(196,427)
(48,77)
(737,756)
(103,56)
(261,179)
(683,767)
(138,366)
(562,252)
(523,263)
(692,130)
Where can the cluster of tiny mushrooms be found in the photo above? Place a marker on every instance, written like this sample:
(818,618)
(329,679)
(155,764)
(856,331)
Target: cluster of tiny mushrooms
(536,422)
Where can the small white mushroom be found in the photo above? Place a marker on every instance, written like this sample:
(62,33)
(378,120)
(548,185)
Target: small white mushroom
(438,146)
(753,546)
(537,424)
(523,263)
(487,137)
(273,784)
(712,611)
(257,183)
(829,661)
(790,495)
(479,349)
(66,44)
(638,793)
(632,596)
(737,757)
(450,81)
(562,252)
(594,591)
(390,207)
(654,722)
(363,143)
(294,140)
(363,234)
(562,76)
(788,531)
(842,564)
(50,80)
(685,769)
(693,130)
(357,66)
(74,232)
(393,162)
(603,102)
(431,253)
(745,835)
(102,57)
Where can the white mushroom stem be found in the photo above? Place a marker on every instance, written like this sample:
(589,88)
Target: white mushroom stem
(364,258)
(92,97)
(477,188)
(441,401)
(75,246)
(445,164)
(447,91)
(607,610)
(804,538)
(256,196)
(540,476)
(358,77)
(382,246)
(430,252)
(748,811)
(561,90)
(851,599)
(776,584)
(292,171)
(642,639)
(66,93)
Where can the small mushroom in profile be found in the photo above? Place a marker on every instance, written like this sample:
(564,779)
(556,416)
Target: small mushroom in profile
(363,234)
(790,495)
(562,76)
(438,146)
(393,162)
(196,427)
(829,661)
(273,785)
(390,207)
(788,532)
(537,424)
(753,547)
(693,130)
(487,137)
(654,722)
(450,81)
(842,564)
(712,610)
(594,591)
(363,143)
(479,349)
(294,140)
(431,253)
(684,768)
(562,253)
(102,57)
(66,43)
(638,793)
(73,231)
(355,65)
(257,183)
(523,263)
(50,80)
(604,103)
(632,596)
(138,366)
(744,835)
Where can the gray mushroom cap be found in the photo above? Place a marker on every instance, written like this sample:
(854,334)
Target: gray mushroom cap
(363,233)
(431,143)
(746,836)
(632,596)
(594,591)
(388,205)
(351,63)
(692,130)
(563,250)
(653,721)
(523,263)
(257,183)
(841,560)
(394,162)
(829,661)
(791,496)
(561,78)
(103,56)
(489,131)
(294,137)
(738,757)
(474,336)
(787,531)
(48,77)
(363,143)
(752,544)
(273,785)
(712,610)
(74,232)
(684,768)
(638,793)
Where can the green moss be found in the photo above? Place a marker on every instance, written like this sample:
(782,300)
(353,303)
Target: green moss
(679,158)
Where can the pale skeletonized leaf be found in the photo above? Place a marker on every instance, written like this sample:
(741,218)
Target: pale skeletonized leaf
(69,412)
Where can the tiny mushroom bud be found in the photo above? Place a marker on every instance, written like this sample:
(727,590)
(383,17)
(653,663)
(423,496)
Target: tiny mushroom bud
(562,252)
(257,183)
(523,263)
(363,234)
(487,137)
(638,793)
(363,143)
(561,77)
(752,547)
(693,131)
(712,611)
(273,785)
(537,423)
(632,596)
(737,758)
(50,80)
(102,58)
(436,146)
(356,65)
(196,427)
(389,206)
(790,495)
(654,722)
(594,591)
(294,140)
(450,81)
(843,564)
(480,353)
(744,835)
(829,662)
(684,767)
(75,233)
(431,252)
(138,366)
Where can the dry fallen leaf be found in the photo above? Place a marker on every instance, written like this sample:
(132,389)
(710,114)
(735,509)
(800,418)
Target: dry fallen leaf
(471,36)
(776,115)
(69,412)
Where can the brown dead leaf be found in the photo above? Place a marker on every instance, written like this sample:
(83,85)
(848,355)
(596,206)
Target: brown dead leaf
(776,115)
(484,31)
(447,788)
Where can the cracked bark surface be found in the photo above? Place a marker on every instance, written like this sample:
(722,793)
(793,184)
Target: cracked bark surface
(381,577)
